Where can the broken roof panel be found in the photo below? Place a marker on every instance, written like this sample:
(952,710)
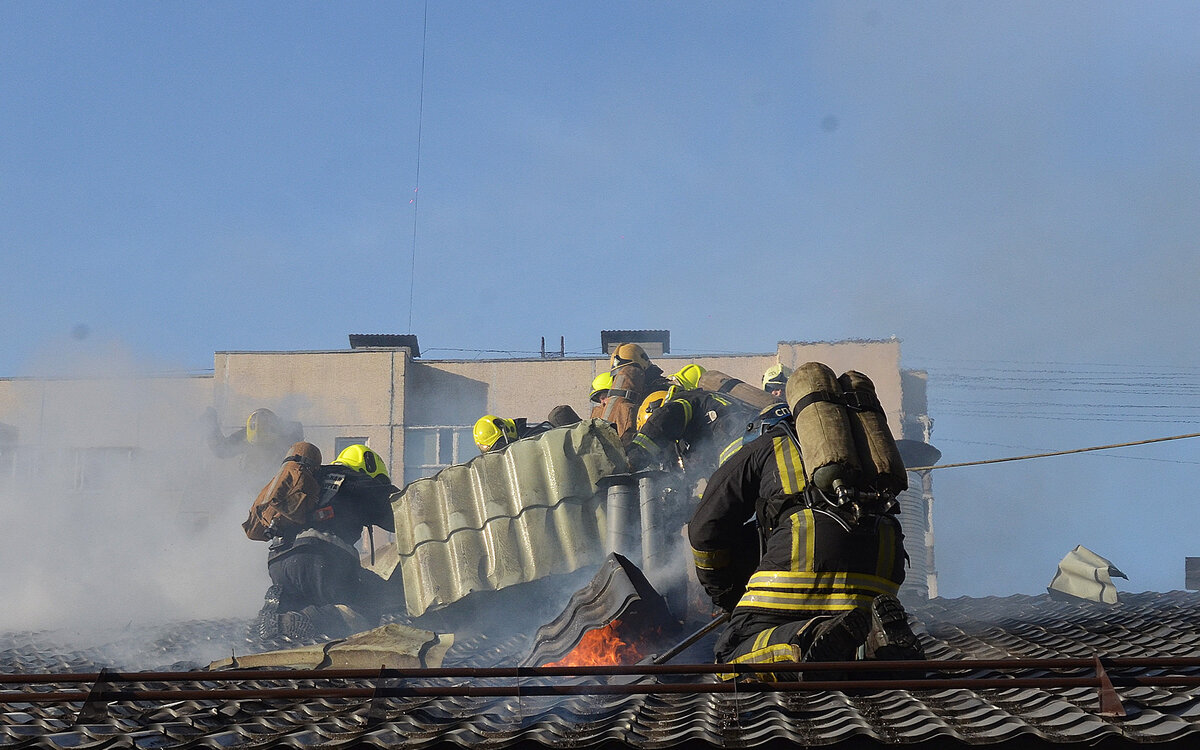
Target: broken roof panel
(392,646)
(1085,575)
(507,517)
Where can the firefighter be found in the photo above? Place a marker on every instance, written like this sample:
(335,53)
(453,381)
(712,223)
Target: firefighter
(825,583)
(633,378)
(600,387)
(688,377)
(318,585)
(775,380)
(257,445)
(694,426)
(493,433)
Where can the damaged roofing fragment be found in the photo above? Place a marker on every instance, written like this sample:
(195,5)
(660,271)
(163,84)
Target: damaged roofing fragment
(618,594)
(1083,574)
(506,517)
(391,646)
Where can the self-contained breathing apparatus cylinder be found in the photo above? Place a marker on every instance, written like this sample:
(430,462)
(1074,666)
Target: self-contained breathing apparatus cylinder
(882,468)
(719,382)
(831,458)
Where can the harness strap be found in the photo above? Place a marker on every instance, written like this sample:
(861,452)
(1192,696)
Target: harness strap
(728,385)
(813,398)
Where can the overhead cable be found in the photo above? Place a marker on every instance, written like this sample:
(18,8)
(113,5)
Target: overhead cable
(1055,453)
(412,272)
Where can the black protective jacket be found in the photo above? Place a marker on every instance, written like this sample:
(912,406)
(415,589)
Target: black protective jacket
(707,427)
(813,561)
(524,429)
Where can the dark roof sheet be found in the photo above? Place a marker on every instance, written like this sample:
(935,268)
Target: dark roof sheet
(1024,627)
(385,340)
(639,336)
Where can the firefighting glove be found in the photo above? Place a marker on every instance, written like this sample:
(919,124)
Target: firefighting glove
(728,599)
(639,457)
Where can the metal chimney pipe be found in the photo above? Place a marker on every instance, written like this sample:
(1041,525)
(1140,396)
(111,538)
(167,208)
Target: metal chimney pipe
(654,541)
(622,516)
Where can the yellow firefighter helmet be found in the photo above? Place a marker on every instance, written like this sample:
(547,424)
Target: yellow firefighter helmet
(261,426)
(775,378)
(600,385)
(362,459)
(689,377)
(650,405)
(493,432)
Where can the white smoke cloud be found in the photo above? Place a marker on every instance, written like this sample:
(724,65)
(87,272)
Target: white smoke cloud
(117,513)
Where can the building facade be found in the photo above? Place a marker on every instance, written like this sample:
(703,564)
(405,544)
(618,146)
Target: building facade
(417,413)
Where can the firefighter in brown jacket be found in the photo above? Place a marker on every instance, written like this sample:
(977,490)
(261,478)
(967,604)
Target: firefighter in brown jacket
(318,585)
(824,585)
(633,378)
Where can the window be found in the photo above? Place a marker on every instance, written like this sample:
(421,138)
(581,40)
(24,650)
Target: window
(342,443)
(99,468)
(428,450)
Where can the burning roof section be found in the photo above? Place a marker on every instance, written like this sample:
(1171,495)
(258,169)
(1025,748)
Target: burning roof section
(619,590)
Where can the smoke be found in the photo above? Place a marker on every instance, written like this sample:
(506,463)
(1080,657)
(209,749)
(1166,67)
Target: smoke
(115,511)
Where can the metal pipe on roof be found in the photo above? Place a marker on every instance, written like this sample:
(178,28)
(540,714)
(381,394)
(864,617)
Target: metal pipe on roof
(654,541)
(622,516)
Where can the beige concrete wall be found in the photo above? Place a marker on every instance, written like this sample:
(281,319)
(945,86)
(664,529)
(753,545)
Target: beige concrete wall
(104,412)
(357,393)
(377,393)
(510,388)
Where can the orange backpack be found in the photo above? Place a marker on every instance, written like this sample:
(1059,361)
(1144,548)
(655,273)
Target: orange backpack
(285,503)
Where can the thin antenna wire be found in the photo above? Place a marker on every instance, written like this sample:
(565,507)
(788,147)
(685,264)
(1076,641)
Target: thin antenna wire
(412,271)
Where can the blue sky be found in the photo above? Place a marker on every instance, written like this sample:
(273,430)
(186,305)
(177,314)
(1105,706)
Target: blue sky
(1011,188)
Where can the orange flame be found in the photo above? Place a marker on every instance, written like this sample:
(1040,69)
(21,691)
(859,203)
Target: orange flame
(604,646)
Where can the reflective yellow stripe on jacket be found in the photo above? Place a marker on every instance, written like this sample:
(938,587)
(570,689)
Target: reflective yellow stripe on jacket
(791,468)
(646,444)
(764,652)
(729,450)
(687,410)
(712,560)
(783,590)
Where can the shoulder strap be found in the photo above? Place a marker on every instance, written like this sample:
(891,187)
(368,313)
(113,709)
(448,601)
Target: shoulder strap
(330,484)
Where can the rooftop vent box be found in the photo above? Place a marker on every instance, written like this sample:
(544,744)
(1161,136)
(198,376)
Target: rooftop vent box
(1191,573)
(654,342)
(385,341)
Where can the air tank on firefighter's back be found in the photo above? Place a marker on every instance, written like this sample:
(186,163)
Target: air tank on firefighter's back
(882,467)
(719,382)
(827,446)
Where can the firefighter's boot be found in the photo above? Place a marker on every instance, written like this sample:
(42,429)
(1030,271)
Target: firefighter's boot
(266,625)
(891,638)
(297,626)
(838,638)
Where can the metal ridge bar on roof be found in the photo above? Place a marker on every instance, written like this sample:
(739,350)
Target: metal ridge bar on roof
(530,690)
(1080,663)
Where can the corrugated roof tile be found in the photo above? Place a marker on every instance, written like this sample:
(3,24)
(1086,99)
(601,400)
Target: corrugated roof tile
(506,517)
(1142,625)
